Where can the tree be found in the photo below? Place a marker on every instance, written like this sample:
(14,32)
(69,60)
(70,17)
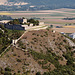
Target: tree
(7,73)
(38,73)
(51,26)
(7,69)
(69,62)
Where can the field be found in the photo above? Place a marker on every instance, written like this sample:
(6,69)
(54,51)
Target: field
(66,30)
(54,17)
(48,16)
(5,13)
(69,26)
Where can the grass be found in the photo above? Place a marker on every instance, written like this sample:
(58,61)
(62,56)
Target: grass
(4,52)
(10,31)
(52,15)
(70,11)
(5,13)
(53,22)
(53,18)
(26,12)
(69,26)
(57,14)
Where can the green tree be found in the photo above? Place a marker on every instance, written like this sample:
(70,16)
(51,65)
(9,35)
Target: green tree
(38,73)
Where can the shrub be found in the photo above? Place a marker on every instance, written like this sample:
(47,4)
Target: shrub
(46,33)
(18,71)
(33,33)
(45,67)
(38,73)
(65,40)
(14,54)
(7,73)
(32,42)
(18,60)
(7,69)
(41,35)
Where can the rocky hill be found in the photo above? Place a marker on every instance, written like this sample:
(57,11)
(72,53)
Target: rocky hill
(42,52)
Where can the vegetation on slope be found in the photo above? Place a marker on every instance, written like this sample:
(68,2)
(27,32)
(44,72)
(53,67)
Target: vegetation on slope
(6,37)
(46,53)
(18,21)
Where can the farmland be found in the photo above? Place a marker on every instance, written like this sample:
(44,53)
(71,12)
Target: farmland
(5,13)
(66,30)
(54,17)
(69,26)
(48,16)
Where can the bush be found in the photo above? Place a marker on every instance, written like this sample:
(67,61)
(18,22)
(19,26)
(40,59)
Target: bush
(14,54)
(65,40)
(69,62)
(7,69)
(18,60)
(38,73)
(7,73)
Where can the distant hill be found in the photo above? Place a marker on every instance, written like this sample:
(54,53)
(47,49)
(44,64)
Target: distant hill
(7,5)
